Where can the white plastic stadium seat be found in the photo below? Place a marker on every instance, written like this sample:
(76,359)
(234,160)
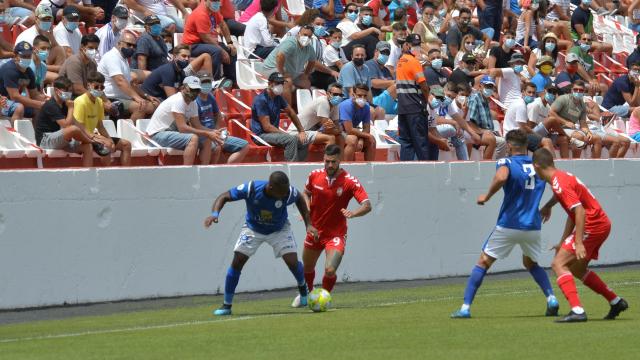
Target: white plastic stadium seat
(295,7)
(247,76)
(303,97)
(25,128)
(127,131)
(143,124)
(5,123)
(10,145)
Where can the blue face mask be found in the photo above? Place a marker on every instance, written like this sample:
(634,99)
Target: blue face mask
(45,25)
(518,69)
(586,3)
(65,95)
(487,92)
(366,20)
(95,93)
(319,30)
(71,26)
(335,100)
(442,13)
(435,103)
(206,88)
(509,43)
(214,6)
(352,16)
(155,30)
(336,44)
(447,101)
(550,98)
(528,99)
(43,55)
(436,64)
(382,59)
(585,47)
(577,95)
(550,46)
(406,3)
(25,63)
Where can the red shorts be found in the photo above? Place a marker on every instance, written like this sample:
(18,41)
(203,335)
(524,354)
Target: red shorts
(592,240)
(326,243)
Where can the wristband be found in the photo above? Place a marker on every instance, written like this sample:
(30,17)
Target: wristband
(215,214)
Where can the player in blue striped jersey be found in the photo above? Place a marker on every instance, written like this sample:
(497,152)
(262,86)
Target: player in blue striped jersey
(266,221)
(519,222)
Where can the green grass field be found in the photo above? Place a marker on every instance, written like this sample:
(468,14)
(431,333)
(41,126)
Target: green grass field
(405,323)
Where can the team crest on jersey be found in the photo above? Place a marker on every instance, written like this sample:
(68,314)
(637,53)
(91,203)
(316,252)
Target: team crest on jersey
(339,191)
(240,187)
(278,204)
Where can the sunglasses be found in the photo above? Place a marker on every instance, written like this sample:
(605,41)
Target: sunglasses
(352,11)
(336,94)
(98,87)
(578,90)
(439,98)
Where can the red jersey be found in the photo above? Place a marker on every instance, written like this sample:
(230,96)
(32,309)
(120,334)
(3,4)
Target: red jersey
(571,192)
(328,197)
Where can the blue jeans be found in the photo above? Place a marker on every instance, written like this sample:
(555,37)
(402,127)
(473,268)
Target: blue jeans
(228,70)
(491,17)
(449,132)
(413,136)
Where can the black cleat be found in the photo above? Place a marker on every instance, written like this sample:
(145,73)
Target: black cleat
(573,317)
(100,149)
(616,309)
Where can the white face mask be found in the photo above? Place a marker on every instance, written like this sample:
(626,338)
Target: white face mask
(121,23)
(278,89)
(91,53)
(304,40)
(361,102)
(169,46)
(461,99)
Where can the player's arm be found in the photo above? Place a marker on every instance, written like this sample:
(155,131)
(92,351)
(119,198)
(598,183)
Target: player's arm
(579,213)
(496,184)
(218,204)
(364,209)
(301,204)
(545,211)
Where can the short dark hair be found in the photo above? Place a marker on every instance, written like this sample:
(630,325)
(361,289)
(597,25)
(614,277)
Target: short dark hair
(530,85)
(360,86)
(332,150)
(398,25)
(543,158)
(95,77)
(40,39)
(451,86)
(366,8)
(399,13)
(334,30)
(279,179)
(180,47)
(510,32)
(552,89)
(428,4)
(268,5)
(89,38)
(465,10)
(334,85)
(431,51)
(517,138)
(580,83)
(62,82)
(464,87)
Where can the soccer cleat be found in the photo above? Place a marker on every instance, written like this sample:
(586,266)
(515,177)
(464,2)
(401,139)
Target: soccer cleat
(552,307)
(100,149)
(578,143)
(573,317)
(223,310)
(299,302)
(461,314)
(616,309)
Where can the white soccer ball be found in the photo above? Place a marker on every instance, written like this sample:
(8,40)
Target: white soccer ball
(319,300)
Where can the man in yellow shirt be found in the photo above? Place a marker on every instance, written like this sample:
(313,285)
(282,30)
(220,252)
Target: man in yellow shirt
(89,111)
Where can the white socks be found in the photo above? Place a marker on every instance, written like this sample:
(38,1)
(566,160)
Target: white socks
(464,307)
(578,310)
(615,301)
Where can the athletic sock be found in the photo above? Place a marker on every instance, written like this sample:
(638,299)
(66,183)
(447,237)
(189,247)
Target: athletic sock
(593,281)
(475,280)
(541,277)
(298,273)
(328,282)
(310,277)
(233,277)
(568,287)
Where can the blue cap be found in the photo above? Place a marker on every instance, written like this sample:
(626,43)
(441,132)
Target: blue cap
(488,80)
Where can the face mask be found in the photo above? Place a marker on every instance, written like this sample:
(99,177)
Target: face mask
(155,30)
(572,69)
(304,41)
(214,6)
(336,44)
(358,62)
(585,47)
(65,95)
(487,92)
(406,3)
(361,102)
(510,43)
(43,55)
(95,93)
(633,73)
(586,3)
(535,7)
(461,99)
(45,25)
(25,63)
(382,59)
(546,69)
(465,22)
(366,20)
(550,98)
(121,23)
(518,69)
(577,95)
(91,53)
(182,64)
(169,46)
(436,64)
(206,88)
(319,30)
(127,52)
(335,100)
(435,103)
(447,101)
(442,13)
(550,46)
(528,99)
(469,47)
(277,89)
(352,16)
(71,26)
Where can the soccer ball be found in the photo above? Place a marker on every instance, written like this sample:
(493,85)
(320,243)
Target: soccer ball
(319,300)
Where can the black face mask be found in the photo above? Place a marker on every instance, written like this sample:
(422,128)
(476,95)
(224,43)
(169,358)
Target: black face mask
(182,64)
(127,52)
(358,62)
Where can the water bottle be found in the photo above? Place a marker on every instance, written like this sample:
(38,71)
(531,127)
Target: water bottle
(224,134)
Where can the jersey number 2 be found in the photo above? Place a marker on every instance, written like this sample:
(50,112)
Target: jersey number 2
(530,184)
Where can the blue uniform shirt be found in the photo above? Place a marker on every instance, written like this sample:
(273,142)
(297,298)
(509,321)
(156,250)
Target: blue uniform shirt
(265,215)
(522,193)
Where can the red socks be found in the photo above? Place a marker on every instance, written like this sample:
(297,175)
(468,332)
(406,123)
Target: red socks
(310,277)
(593,281)
(568,287)
(329,282)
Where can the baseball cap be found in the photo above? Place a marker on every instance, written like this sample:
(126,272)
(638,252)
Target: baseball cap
(382,46)
(204,76)
(43,11)
(545,59)
(437,91)
(517,58)
(414,39)
(468,58)
(571,57)
(151,19)
(192,82)
(276,77)
(488,80)
(23,48)
(120,12)
(71,12)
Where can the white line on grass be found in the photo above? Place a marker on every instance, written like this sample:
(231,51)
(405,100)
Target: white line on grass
(253,317)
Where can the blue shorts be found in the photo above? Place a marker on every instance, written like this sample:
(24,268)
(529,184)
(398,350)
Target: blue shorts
(173,139)
(233,144)
(385,101)
(9,108)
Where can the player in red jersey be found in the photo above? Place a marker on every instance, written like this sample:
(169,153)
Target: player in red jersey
(586,229)
(330,190)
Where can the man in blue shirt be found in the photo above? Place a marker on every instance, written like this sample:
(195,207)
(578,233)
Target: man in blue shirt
(266,221)
(265,120)
(383,83)
(355,112)
(624,94)
(519,222)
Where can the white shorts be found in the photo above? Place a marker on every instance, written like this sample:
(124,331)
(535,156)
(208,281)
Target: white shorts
(502,240)
(281,241)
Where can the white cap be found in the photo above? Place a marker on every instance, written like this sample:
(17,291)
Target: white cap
(192,82)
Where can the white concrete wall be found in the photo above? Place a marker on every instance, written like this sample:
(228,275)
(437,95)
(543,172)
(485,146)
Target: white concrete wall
(72,236)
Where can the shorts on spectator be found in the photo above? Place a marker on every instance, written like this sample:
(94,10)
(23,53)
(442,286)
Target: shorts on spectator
(56,141)
(9,108)
(174,139)
(234,144)
(601,132)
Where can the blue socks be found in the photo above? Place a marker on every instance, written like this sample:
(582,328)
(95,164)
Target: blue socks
(233,277)
(540,276)
(475,280)
(298,273)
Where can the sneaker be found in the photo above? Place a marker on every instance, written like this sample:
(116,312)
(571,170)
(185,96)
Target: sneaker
(578,143)
(296,302)
(573,317)
(223,310)
(616,309)
(552,307)
(100,149)
(461,314)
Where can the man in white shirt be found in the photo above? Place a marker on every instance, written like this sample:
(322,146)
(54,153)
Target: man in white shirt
(399,35)
(67,33)
(321,119)
(114,66)
(509,80)
(333,56)
(43,26)
(176,124)
(257,37)
(109,34)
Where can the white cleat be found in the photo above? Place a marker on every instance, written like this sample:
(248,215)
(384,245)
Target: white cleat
(296,302)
